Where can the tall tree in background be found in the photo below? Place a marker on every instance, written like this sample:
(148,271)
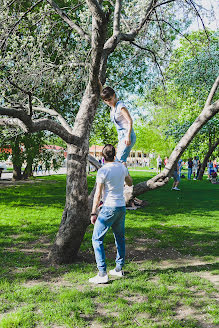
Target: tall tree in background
(41,44)
(192,70)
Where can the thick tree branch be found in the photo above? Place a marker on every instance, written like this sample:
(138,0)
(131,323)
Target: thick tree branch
(113,41)
(54,113)
(117,15)
(13,122)
(162,178)
(94,162)
(96,9)
(131,36)
(151,7)
(212,92)
(65,17)
(41,125)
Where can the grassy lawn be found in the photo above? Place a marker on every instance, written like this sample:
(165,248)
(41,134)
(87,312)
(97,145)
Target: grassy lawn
(171,272)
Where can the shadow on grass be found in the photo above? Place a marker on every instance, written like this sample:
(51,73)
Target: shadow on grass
(160,231)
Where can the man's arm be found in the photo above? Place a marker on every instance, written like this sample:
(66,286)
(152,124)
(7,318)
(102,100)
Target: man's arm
(96,202)
(128,118)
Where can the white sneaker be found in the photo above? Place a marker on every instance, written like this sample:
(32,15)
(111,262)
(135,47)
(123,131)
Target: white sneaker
(99,280)
(176,188)
(116,273)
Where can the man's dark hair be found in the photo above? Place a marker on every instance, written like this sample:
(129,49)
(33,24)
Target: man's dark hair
(107,93)
(109,153)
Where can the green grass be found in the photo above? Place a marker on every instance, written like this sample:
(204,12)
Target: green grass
(171,266)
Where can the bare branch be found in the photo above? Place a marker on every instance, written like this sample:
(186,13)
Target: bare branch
(53,112)
(117,14)
(41,125)
(131,36)
(13,122)
(13,28)
(175,29)
(154,56)
(65,17)
(197,12)
(96,9)
(94,162)
(151,7)
(212,92)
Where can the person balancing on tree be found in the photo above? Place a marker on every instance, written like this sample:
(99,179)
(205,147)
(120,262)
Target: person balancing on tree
(123,122)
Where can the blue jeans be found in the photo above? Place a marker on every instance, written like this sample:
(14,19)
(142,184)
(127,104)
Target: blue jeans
(123,150)
(189,173)
(109,217)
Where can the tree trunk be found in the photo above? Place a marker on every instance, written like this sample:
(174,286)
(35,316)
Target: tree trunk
(28,171)
(17,163)
(75,218)
(16,173)
(207,156)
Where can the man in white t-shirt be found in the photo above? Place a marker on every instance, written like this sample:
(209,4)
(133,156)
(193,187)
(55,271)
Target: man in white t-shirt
(110,187)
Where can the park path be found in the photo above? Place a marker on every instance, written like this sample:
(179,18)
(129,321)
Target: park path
(62,170)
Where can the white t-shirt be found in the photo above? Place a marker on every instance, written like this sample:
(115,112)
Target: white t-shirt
(118,116)
(195,164)
(112,175)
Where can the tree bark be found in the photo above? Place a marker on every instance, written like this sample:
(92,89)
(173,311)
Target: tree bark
(16,161)
(75,218)
(207,156)
(28,171)
(16,173)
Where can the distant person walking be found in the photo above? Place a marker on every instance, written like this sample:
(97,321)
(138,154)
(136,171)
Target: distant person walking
(159,163)
(176,177)
(195,168)
(190,165)
(210,168)
(215,165)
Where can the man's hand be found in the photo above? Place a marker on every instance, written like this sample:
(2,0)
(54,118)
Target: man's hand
(93,219)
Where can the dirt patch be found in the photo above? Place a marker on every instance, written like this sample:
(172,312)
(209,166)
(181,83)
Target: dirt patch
(214,279)
(132,299)
(183,313)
